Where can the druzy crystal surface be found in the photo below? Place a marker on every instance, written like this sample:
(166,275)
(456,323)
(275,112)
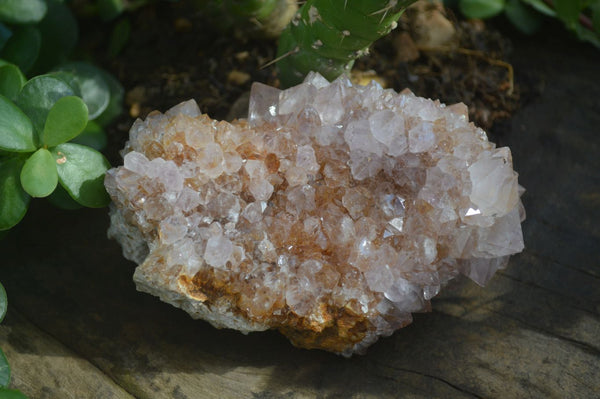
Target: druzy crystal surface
(331,214)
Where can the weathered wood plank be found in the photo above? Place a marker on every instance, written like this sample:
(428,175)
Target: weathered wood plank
(45,368)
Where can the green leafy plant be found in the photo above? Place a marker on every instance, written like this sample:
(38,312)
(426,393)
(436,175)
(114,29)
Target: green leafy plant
(36,34)
(580,16)
(51,126)
(37,126)
(327,36)
(5,392)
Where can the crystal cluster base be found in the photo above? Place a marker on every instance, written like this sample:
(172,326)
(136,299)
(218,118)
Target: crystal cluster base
(331,214)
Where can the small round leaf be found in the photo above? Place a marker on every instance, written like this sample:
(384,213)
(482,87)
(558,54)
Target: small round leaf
(81,172)
(69,79)
(16,130)
(23,47)
(481,9)
(94,90)
(92,136)
(13,199)
(39,176)
(4,373)
(66,119)
(22,11)
(11,81)
(3,303)
(38,96)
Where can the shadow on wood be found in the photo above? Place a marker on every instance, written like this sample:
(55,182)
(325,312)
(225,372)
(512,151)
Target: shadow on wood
(533,332)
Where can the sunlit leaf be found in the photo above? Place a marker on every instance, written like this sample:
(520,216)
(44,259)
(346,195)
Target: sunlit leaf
(39,95)
(13,199)
(66,119)
(39,176)
(92,136)
(11,81)
(81,172)
(22,11)
(481,8)
(23,47)
(524,18)
(94,90)
(16,130)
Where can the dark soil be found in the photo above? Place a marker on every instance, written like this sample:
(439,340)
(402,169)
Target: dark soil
(175,53)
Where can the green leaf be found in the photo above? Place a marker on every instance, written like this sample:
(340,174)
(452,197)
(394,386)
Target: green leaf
(4,372)
(39,176)
(568,11)
(22,11)
(587,35)
(23,47)
(92,136)
(6,393)
(66,119)
(94,90)
(59,32)
(13,199)
(16,130)
(524,18)
(481,9)
(3,305)
(119,37)
(60,198)
(39,95)
(540,6)
(115,103)
(11,81)
(81,172)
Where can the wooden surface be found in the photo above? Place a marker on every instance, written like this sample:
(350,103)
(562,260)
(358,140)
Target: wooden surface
(76,327)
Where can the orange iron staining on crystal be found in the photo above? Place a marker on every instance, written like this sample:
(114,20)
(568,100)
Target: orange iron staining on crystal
(331,214)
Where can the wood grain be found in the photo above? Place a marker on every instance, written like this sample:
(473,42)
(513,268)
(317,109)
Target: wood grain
(76,327)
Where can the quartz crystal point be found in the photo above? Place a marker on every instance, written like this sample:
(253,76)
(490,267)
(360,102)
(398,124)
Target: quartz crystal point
(331,214)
